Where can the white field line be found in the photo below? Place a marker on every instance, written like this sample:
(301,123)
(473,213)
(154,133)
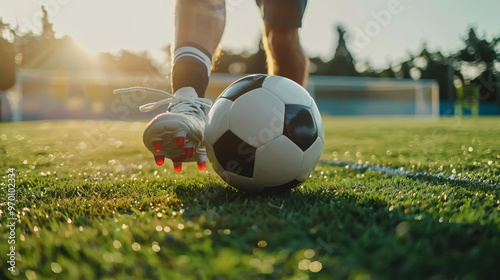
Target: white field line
(401,172)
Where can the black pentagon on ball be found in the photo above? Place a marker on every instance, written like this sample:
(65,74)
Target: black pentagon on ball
(235,155)
(300,126)
(243,86)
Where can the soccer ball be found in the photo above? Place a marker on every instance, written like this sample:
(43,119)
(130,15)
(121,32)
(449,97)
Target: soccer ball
(264,133)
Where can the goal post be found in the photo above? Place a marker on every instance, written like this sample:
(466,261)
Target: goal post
(359,96)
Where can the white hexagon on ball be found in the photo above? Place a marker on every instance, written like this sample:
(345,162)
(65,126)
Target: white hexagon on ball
(287,90)
(257,117)
(280,156)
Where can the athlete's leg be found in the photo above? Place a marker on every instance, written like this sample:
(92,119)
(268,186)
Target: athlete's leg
(178,134)
(199,25)
(285,57)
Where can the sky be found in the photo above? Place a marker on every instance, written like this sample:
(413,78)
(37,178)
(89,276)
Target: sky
(380,31)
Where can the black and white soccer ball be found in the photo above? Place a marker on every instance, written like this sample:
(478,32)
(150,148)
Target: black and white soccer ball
(264,133)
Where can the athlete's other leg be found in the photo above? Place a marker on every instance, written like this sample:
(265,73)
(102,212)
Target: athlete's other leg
(285,56)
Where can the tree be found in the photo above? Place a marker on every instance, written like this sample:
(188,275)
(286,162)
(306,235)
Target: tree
(434,66)
(7,57)
(47,29)
(342,63)
(479,56)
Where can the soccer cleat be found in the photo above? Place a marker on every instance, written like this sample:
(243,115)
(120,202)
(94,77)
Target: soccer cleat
(178,163)
(178,133)
(202,166)
(201,158)
(180,141)
(180,138)
(189,152)
(157,145)
(177,166)
(189,149)
(159,160)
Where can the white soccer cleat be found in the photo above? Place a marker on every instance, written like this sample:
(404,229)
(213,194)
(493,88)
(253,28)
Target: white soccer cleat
(178,133)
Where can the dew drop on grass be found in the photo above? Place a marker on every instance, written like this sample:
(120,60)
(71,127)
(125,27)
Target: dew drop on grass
(56,268)
(156,248)
(135,246)
(262,243)
(402,228)
(315,266)
(304,264)
(309,253)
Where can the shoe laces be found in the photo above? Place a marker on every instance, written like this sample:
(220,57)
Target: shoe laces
(176,104)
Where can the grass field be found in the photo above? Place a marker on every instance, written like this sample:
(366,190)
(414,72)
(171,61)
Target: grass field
(92,204)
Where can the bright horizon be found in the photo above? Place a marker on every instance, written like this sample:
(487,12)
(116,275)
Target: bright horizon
(381,31)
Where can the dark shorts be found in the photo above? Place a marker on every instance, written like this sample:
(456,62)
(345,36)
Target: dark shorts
(283,13)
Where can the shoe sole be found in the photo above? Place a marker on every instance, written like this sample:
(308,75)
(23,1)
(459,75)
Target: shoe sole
(171,138)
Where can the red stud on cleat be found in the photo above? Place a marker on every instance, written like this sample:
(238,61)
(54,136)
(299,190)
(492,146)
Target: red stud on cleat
(177,161)
(189,152)
(202,166)
(159,160)
(157,145)
(180,141)
(177,166)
